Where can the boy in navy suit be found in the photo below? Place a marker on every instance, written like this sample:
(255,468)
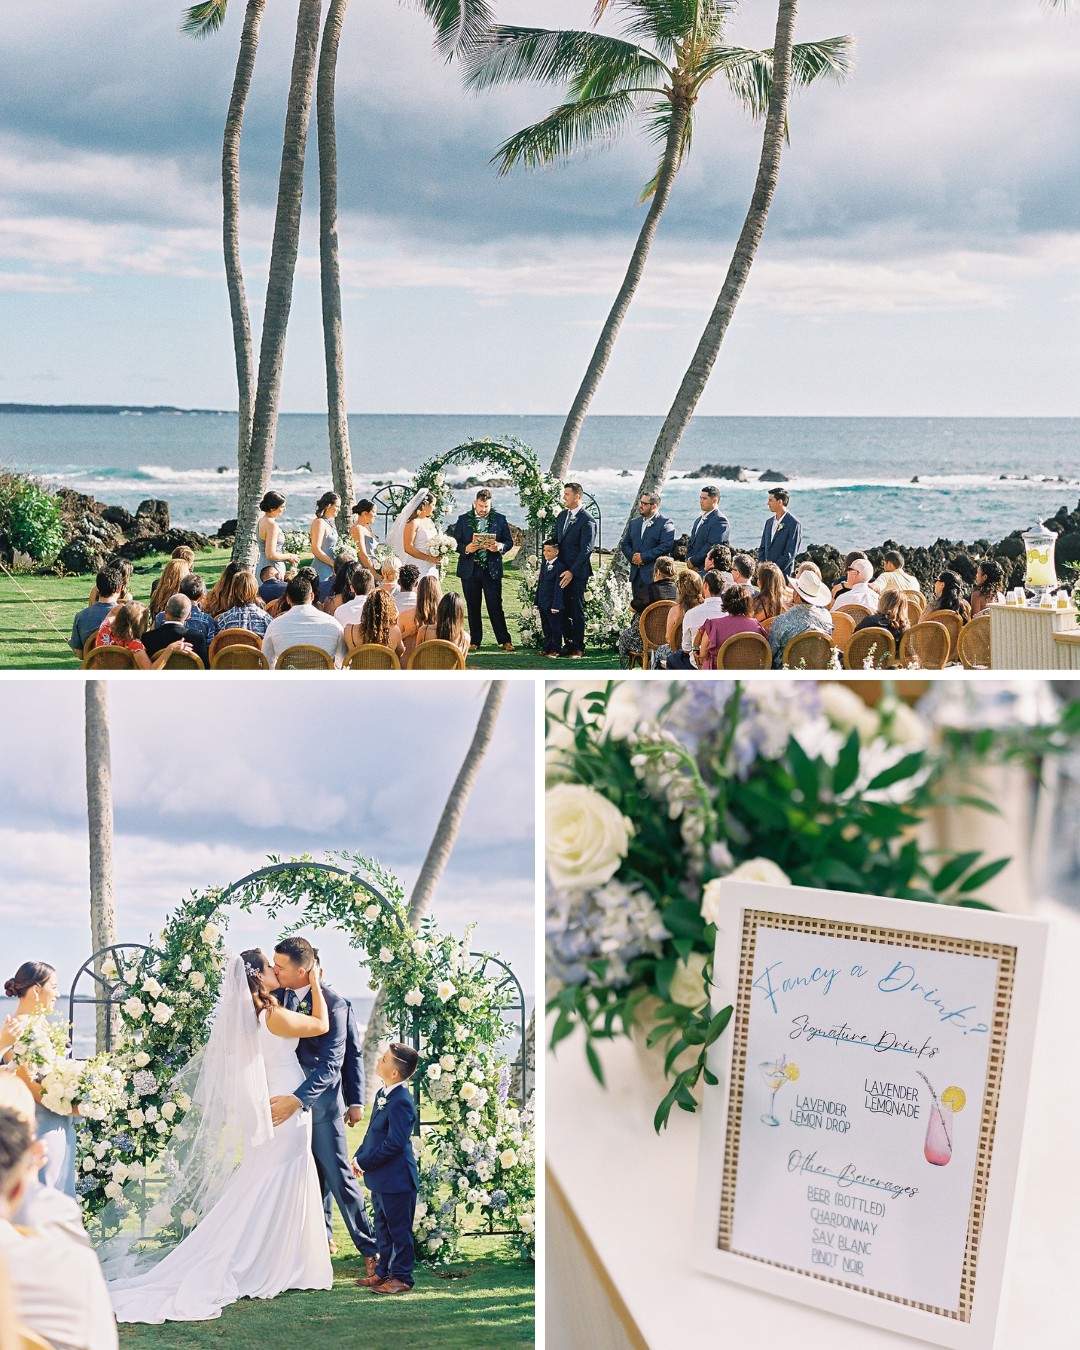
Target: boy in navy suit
(549,599)
(386,1164)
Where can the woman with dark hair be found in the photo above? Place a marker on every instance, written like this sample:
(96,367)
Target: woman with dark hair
(348,606)
(362,534)
(738,602)
(36,987)
(894,615)
(340,589)
(771,591)
(378,625)
(949,594)
(450,622)
(270,535)
(413,530)
(989,584)
(662,587)
(324,536)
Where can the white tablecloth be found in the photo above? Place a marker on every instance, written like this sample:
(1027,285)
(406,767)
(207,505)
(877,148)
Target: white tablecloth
(619,1263)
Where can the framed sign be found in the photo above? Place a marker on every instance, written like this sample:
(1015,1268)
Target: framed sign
(862,1153)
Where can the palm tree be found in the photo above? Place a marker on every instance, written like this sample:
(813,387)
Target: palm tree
(438,854)
(708,348)
(99,812)
(614,83)
(200,21)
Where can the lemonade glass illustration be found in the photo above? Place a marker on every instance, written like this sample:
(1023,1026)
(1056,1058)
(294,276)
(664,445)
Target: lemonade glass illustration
(938,1145)
(776,1072)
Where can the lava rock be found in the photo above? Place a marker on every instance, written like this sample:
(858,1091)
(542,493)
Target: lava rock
(139,547)
(79,556)
(227,529)
(733,473)
(152,517)
(773,476)
(119,516)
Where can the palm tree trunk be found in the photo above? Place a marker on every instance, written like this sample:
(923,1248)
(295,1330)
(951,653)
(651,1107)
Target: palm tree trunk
(230,194)
(700,368)
(330,269)
(438,855)
(279,288)
(99,811)
(669,167)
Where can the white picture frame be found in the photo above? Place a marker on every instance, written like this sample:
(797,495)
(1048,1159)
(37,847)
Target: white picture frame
(980,949)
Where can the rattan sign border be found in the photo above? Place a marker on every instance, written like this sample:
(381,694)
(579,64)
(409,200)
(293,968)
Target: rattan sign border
(1004,955)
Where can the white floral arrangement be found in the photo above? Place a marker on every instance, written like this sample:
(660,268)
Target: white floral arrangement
(607,607)
(441,546)
(384,554)
(40,1045)
(297,541)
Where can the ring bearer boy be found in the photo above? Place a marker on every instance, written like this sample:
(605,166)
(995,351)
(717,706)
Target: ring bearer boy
(549,599)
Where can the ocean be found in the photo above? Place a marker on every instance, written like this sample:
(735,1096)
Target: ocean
(852,479)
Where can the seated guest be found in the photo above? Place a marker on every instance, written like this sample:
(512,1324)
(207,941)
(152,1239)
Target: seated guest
(689,593)
(126,627)
(42,1207)
(711,607)
(335,589)
(360,585)
(742,572)
(893,577)
(894,616)
(272,582)
(194,588)
(378,624)
(772,596)
(808,612)
(109,584)
(710,528)
(859,590)
(715,631)
(58,1287)
(549,597)
(219,597)
(450,622)
(647,537)
(989,585)
(842,587)
(949,594)
(405,595)
(719,560)
(245,611)
(388,575)
(302,623)
(125,569)
(174,627)
(662,587)
(176,569)
(420,624)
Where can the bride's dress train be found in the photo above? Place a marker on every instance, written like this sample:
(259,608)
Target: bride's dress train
(264,1235)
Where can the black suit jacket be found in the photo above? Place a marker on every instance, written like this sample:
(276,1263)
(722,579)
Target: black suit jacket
(576,543)
(158,638)
(463,532)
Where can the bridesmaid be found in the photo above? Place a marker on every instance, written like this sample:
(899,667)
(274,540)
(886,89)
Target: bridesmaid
(324,537)
(35,985)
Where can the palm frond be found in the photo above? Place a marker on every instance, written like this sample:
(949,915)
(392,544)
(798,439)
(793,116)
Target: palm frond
(657,129)
(664,23)
(749,73)
(460,25)
(203,19)
(507,54)
(566,129)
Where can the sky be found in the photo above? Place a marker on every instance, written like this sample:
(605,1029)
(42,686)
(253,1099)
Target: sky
(922,256)
(208,781)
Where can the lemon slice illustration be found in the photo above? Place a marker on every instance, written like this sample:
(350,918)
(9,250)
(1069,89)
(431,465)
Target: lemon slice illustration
(954,1098)
(791,1072)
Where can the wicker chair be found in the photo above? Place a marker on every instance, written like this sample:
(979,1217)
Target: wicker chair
(652,624)
(855,612)
(949,619)
(873,647)
(110,658)
(974,644)
(768,623)
(926,645)
(371,656)
(810,651)
(182,661)
(239,657)
(436,654)
(744,651)
(843,625)
(915,598)
(88,645)
(234,637)
(304,656)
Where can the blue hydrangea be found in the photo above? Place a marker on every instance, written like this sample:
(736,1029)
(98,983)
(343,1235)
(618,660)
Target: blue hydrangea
(615,924)
(123,1143)
(85,1184)
(447,1207)
(499,1200)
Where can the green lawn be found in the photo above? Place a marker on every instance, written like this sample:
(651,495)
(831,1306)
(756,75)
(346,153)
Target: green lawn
(30,606)
(486,1300)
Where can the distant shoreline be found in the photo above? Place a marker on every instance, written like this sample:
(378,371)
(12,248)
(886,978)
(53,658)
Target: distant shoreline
(109,410)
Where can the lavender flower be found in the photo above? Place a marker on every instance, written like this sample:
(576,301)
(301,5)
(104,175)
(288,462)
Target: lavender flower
(144,1083)
(504,1082)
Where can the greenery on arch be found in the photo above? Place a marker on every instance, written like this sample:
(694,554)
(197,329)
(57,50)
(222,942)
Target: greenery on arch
(478,1161)
(540,494)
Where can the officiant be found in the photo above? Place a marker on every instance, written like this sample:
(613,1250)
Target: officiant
(483,536)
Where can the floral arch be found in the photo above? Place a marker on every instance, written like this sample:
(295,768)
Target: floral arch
(480,1159)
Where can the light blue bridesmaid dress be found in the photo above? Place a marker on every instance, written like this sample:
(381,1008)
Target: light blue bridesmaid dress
(58,1135)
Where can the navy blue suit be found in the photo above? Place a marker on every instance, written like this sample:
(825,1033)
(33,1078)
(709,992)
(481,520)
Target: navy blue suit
(388,1163)
(785,546)
(352,1081)
(704,535)
(576,541)
(322,1059)
(483,583)
(549,601)
(659,538)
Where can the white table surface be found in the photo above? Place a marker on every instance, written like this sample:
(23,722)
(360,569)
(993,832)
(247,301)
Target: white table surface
(632,1194)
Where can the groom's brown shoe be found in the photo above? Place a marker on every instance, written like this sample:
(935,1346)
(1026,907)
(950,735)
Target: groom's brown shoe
(391,1287)
(371,1278)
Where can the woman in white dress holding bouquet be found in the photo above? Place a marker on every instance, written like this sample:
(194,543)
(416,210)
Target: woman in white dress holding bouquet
(414,532)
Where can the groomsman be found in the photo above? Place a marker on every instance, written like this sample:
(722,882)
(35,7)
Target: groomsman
(710,529)
(480,567)
(781,539)
(649,537)
(575,532)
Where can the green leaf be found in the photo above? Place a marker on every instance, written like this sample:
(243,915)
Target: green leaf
(718,1025)
(806,773)
(954,870)
(660,1119)
(983,875)
(682,918)
(904,768)
(847,766)
(594,1063)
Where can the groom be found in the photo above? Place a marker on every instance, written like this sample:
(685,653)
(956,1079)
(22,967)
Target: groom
(321,1058)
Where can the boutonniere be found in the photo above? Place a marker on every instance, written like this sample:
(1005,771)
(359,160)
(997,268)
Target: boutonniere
(381,1105)
(779,527)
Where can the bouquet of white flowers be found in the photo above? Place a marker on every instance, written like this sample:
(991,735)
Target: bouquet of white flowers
(100,1092)
(383,554)
(40,1045)
(442,546)
(60,1087)
(297,541)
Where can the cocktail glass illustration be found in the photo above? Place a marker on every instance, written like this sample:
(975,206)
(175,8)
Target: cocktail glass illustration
(776,1072)
(938,1145)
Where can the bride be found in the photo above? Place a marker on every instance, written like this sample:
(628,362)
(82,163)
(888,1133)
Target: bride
(245,1194)
(412,532)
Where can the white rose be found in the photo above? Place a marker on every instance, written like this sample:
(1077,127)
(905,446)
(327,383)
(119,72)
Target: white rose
(183,1101)
(760,869)
(688,982)
(385,954)
(710,901)
(151,1113)
(210,935)
(508,1157)
(134,1007)
(466,1144)
(446,991)
(158,1216)
(434,1244)
(587,837)
(189,1218)
(414,998)
(100,1149)
(419,947)
(169,1110)
(197,979)
(161,1013)
(136,1172)
(142,1059)
(903,725)
(114,1190)
(88,1164)
(465,1004)
(846,710)
(160,1126)
(151,986)
(119,1172)
(372,913)
(421,1209)
(526,1222)
(448,1061)
(185,964)
(434,1072)
(468,1091)
(137,1119)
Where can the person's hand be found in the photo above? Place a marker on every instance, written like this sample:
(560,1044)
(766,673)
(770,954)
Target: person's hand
(566,579)
(493,546)
(353,1116)
(356,1170)
(12,1028)
(282,1108)
(180,645)
(291,557)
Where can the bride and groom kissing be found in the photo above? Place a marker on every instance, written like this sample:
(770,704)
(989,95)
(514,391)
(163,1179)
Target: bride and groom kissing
(263,1150)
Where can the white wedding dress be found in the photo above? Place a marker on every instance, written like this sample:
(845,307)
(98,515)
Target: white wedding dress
(425,533)
(265,1234)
